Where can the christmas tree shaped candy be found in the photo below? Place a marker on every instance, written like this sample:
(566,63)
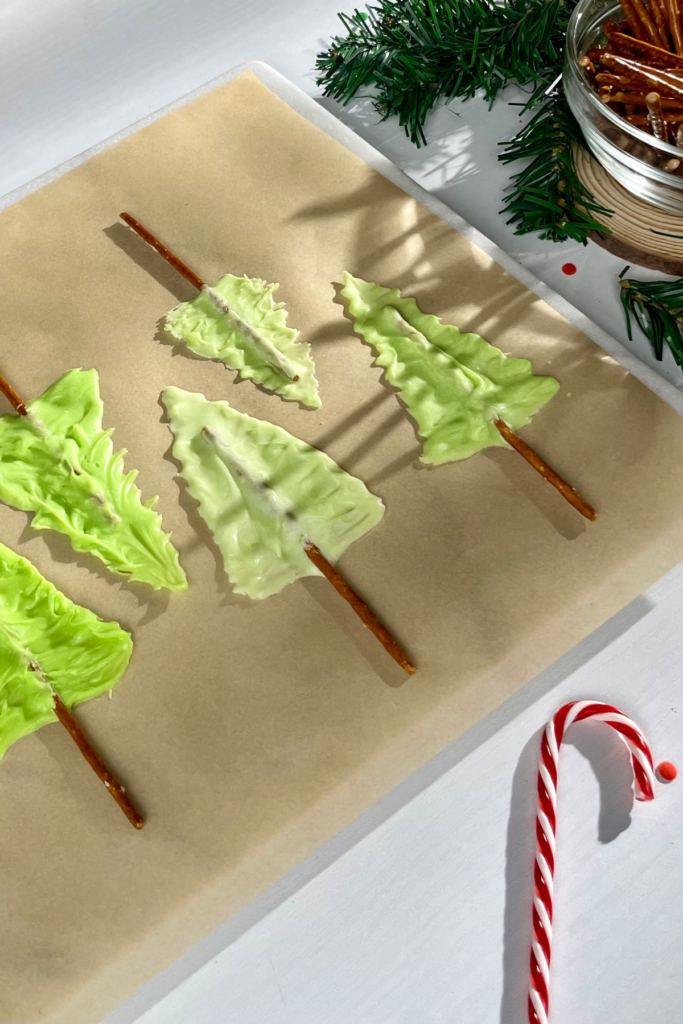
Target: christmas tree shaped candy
(53,654)
(278,508)
(463,393)
(237,322)
(58,462)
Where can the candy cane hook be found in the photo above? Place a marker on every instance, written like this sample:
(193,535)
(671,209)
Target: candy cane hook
(546,822)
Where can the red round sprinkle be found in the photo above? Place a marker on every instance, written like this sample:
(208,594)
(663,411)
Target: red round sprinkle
(667,771)
(569,269)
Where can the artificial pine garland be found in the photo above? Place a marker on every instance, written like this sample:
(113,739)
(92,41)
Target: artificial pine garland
(416,52)
(657,307)
(547,196)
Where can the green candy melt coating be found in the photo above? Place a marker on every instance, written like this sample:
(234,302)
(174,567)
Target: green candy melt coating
(59,463)
(263,492)
(237,322)
(455,385)
(48,641)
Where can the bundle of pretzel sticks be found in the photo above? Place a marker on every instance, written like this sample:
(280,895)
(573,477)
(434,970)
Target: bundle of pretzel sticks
(638,73)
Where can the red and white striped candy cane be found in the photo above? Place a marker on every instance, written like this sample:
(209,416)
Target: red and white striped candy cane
(544,868)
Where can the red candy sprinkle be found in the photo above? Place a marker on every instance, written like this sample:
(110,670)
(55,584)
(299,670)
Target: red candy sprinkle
(667,771)
(569,269)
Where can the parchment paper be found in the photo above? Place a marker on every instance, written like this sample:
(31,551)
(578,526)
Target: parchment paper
(249,733)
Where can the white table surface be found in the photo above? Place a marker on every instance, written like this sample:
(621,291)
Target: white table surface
(419,911)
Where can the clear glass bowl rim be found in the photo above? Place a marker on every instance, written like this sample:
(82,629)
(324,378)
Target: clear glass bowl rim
(572,56)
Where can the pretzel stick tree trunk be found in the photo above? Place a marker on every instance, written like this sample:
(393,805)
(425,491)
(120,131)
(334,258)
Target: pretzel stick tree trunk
(365,614)
(546,471)
(163,251)
(97,764)
(63,714)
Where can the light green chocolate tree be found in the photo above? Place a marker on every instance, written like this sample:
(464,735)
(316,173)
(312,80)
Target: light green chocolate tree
(455,385)
(263,493)
(237,322)
(47,645)
(57,462)
(54,654)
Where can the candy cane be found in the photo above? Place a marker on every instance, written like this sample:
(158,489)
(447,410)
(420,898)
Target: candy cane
(544,868)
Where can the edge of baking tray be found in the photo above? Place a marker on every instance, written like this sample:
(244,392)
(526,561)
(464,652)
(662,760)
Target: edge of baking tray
(332,126)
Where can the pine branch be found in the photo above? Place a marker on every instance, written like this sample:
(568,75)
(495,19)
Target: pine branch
(657,307)
(415,52)
(547,196)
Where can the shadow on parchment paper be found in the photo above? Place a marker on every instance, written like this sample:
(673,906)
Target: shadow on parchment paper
(150,261)
(155,602)
(552,506)
(354,418)
(83,786)
(348,622)
(610,762)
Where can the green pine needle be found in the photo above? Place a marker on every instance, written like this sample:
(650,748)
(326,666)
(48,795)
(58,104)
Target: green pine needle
(414,53)
(657,307)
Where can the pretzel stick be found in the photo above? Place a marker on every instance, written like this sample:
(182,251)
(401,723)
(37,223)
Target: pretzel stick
(632,19)
(655,115)
(644,76)
(62,712)
(642,120)
(359,606)
(535,460)
(641,49)
(618,81)
(96,763)
(660,19)
(675,24)
(12,397)
(588,68)
(638,100)
(163,251)
(268,351)
(605,96)
(648,24)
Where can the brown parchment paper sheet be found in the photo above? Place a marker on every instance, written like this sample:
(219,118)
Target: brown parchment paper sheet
(251,732)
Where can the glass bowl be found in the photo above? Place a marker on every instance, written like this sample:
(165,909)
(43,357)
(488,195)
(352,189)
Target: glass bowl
(634,157)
